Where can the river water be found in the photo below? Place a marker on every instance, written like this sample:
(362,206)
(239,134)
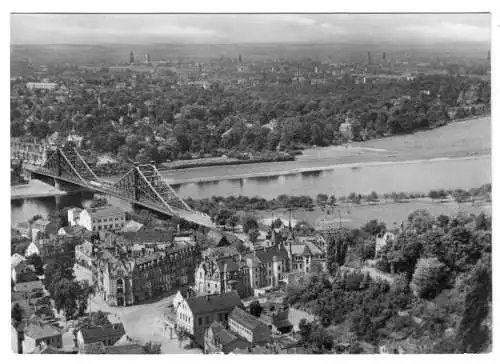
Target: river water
(416,163)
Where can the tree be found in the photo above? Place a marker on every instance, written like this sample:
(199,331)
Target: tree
(255,308)
(372,197)
(374,227)
(429,278)
(253,235)
(483,222)
(321,199)
(473,335)
(338,242)
(223,216)
(233,220)
(421,220)
(460,195)
(37,262)
(249,222)
(152,348)
(305,328)
(17,313)
(98,202)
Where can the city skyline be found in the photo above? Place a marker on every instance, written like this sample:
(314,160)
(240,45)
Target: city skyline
(249,28)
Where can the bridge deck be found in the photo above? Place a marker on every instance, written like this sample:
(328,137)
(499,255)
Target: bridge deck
(107,188)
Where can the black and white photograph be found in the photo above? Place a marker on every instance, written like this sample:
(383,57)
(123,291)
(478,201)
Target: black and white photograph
(251,183)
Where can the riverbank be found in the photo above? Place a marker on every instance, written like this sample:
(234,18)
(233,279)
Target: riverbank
(461,139)
(34,189)
(353,216)
(353,165)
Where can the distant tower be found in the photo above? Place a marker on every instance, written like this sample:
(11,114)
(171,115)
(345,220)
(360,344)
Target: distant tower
(132,57)
(384,58)
(315,69)
(298,70)
(99,104)
(369,58)
(489,55)
(240,59)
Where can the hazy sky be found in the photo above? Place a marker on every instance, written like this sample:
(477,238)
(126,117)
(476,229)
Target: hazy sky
(260,28)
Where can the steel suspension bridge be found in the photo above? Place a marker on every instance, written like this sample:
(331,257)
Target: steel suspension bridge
(141,185)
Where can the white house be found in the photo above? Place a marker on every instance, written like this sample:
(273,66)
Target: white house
(382,241)
(74,216)
(32,249)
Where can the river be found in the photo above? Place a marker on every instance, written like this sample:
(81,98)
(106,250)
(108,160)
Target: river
(455,156)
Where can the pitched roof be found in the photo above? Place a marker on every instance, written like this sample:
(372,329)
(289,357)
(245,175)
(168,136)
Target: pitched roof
(245,319)
(105,211)
(266,254)
(212,303)
(146,236)
(96,333)
(225,336)
(132,226)
(124,349)
(29,286)
(40,330)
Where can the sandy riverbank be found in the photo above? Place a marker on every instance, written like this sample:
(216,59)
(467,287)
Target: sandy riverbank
(354,165)
(34,189)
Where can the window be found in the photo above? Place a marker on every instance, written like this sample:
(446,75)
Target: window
(199,321)
(116,219)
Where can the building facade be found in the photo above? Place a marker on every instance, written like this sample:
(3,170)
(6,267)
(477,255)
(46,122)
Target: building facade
(195,315)
(125,276)
(223,274)
(249,327)
(107,218)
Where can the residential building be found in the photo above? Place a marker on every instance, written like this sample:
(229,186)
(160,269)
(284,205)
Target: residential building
(267,266)
(31,289)
(108,218)
(218,339)
(196,314)
(55,248)
(36,332)
(223,274)
(43,227)
(305,254)
(84,254)
(382,239)
(249,327)
(74,216)
(127,274)
(107,334)
(20,271)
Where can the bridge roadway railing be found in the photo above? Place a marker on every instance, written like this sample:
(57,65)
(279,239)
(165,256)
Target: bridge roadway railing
(107,188)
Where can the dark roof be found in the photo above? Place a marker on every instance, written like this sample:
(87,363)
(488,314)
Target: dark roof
(95,333)
(125,349)
(212,303)
(29,286)
(147,236)
(40,330)
(282,324)
(266,254)
(232,264)
(245,319)
(105,211)
(93,348)
(225,336)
